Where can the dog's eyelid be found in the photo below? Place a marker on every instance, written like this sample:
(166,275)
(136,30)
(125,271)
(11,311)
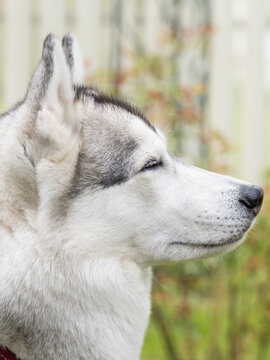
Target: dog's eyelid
(152,163)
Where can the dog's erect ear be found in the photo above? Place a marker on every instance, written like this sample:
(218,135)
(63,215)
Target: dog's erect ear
(73,57)
(51,84)
(51,140)
(50,99)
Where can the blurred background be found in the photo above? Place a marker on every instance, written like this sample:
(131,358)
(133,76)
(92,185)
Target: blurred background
(200,69)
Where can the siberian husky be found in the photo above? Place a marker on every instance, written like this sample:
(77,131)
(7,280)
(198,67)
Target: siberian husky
(90,200)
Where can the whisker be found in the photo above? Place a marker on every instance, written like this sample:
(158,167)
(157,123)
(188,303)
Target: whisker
(159,283)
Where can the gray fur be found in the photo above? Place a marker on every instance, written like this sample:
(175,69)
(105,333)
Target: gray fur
(73,58)
(67,44)
(103,166)
(41,79)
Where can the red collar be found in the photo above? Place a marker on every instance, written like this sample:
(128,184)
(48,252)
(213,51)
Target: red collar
(6,354)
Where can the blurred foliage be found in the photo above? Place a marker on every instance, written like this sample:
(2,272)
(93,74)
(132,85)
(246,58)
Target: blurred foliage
(217,309)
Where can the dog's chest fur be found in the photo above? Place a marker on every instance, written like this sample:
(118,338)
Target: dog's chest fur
(104,299)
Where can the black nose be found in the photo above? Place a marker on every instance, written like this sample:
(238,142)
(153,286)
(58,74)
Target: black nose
(252,198)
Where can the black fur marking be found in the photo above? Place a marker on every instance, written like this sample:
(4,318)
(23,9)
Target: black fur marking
(67,44)
(103,99)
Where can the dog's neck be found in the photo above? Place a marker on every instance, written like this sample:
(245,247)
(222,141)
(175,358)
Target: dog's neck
(95,309)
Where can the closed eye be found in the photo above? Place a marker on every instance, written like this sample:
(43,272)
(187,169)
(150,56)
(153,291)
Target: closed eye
(151,164)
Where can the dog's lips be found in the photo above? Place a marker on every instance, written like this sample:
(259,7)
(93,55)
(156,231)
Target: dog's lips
(205,245)
(232,241)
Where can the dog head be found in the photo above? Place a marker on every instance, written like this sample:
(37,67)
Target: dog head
(99,179)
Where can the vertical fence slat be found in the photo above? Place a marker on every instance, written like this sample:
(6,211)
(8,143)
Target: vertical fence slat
(254,119)
(104,34)
(152,26)
(16,50)
(52,18)
(267,100)
(220,107)
(87,24)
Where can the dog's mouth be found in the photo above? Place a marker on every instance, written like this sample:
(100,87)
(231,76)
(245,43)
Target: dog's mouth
(231,241)
(205,245)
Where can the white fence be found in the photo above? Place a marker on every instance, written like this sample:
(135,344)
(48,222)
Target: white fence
(239,104)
